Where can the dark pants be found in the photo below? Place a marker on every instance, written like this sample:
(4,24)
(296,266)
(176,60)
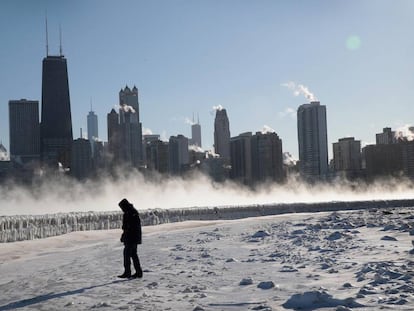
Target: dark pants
(130,251)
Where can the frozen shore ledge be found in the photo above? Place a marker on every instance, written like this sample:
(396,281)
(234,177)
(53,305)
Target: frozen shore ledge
(29,227)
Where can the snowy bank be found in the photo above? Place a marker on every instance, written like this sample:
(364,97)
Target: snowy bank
(29,227)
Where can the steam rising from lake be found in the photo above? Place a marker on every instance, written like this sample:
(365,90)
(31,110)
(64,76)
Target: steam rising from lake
(67,195)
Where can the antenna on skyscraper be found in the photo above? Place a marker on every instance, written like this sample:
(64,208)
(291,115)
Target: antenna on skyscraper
(198,118)
(60,40)
(91,103)
(47,38)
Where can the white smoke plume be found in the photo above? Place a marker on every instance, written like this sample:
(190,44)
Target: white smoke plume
(146,131)
(189,121)
(219,108)
(267,129)
(195,148)
(405,132)
(125,108)
(299,89)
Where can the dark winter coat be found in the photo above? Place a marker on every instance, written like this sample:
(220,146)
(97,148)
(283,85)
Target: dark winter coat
(131,224)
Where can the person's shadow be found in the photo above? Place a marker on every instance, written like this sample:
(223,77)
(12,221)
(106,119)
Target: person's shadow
(42,298)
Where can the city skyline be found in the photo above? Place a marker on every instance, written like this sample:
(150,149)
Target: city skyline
(252,61)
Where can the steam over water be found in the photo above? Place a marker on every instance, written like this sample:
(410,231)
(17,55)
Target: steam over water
(66,195)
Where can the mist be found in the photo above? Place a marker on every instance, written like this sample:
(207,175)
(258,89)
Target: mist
(68,195)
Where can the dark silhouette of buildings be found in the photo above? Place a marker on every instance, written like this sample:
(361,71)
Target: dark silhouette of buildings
(56,121)
(81,159)
(267,157)
(222,134)
(347,158)
(125,144)
(24,131)
(313,141)
(241,158)
(196,133)
(178,154)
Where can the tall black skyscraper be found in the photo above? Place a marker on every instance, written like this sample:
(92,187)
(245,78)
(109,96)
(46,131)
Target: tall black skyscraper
(56,122)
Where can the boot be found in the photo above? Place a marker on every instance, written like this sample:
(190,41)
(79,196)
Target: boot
(137,274)
(125,275)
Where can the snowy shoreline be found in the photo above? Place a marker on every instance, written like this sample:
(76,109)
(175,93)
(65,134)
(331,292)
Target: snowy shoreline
(29,227)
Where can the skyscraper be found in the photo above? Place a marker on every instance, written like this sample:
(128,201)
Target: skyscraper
(178,154)
(24,130)
(267,157)
(131,127)
(347,157)
(92,119)
(313,140)
(222,134)
(56,121)
(196,133)
(241,158)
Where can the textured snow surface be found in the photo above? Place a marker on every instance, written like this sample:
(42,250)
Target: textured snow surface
(22,227)
(335,261)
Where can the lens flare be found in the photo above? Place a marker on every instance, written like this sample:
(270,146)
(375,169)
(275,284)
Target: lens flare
(353,43)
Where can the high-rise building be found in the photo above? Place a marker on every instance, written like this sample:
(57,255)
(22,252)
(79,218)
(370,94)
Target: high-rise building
(267,157)
(222,134)
(313,140)
(196,134)
(178,154)
(114,137)
(92,120)
(386,137)
(241,158)
(347,157)
(81,160)
(131,127)
(24,131)
(56,121)
(157,156)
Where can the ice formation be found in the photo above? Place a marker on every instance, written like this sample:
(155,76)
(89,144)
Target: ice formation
(29,227)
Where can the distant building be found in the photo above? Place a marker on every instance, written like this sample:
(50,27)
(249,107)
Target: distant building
(217,168)
(267,157)
(196,134)
(386,137)
(56,122)
(313,140)
(130,126)
(24,129)
(222,134)
(384,160)
(157,156)
(114,138)
(3,153)
(178,154)
(347,157)
(81,166)
(92,120)
(241,158)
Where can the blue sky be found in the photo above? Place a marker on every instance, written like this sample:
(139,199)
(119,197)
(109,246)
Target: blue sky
(186,56)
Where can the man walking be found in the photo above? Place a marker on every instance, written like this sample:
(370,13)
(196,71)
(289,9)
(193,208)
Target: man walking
(131,237)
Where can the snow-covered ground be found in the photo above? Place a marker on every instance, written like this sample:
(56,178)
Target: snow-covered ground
(327,261)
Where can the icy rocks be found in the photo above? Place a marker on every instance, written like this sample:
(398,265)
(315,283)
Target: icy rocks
(266,285)
(317,299)
(260,234)
(246,281)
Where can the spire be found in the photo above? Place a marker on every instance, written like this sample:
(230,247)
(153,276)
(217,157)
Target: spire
(91,103)
(47,38)
(193,118)
(60,40)
(198,119)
